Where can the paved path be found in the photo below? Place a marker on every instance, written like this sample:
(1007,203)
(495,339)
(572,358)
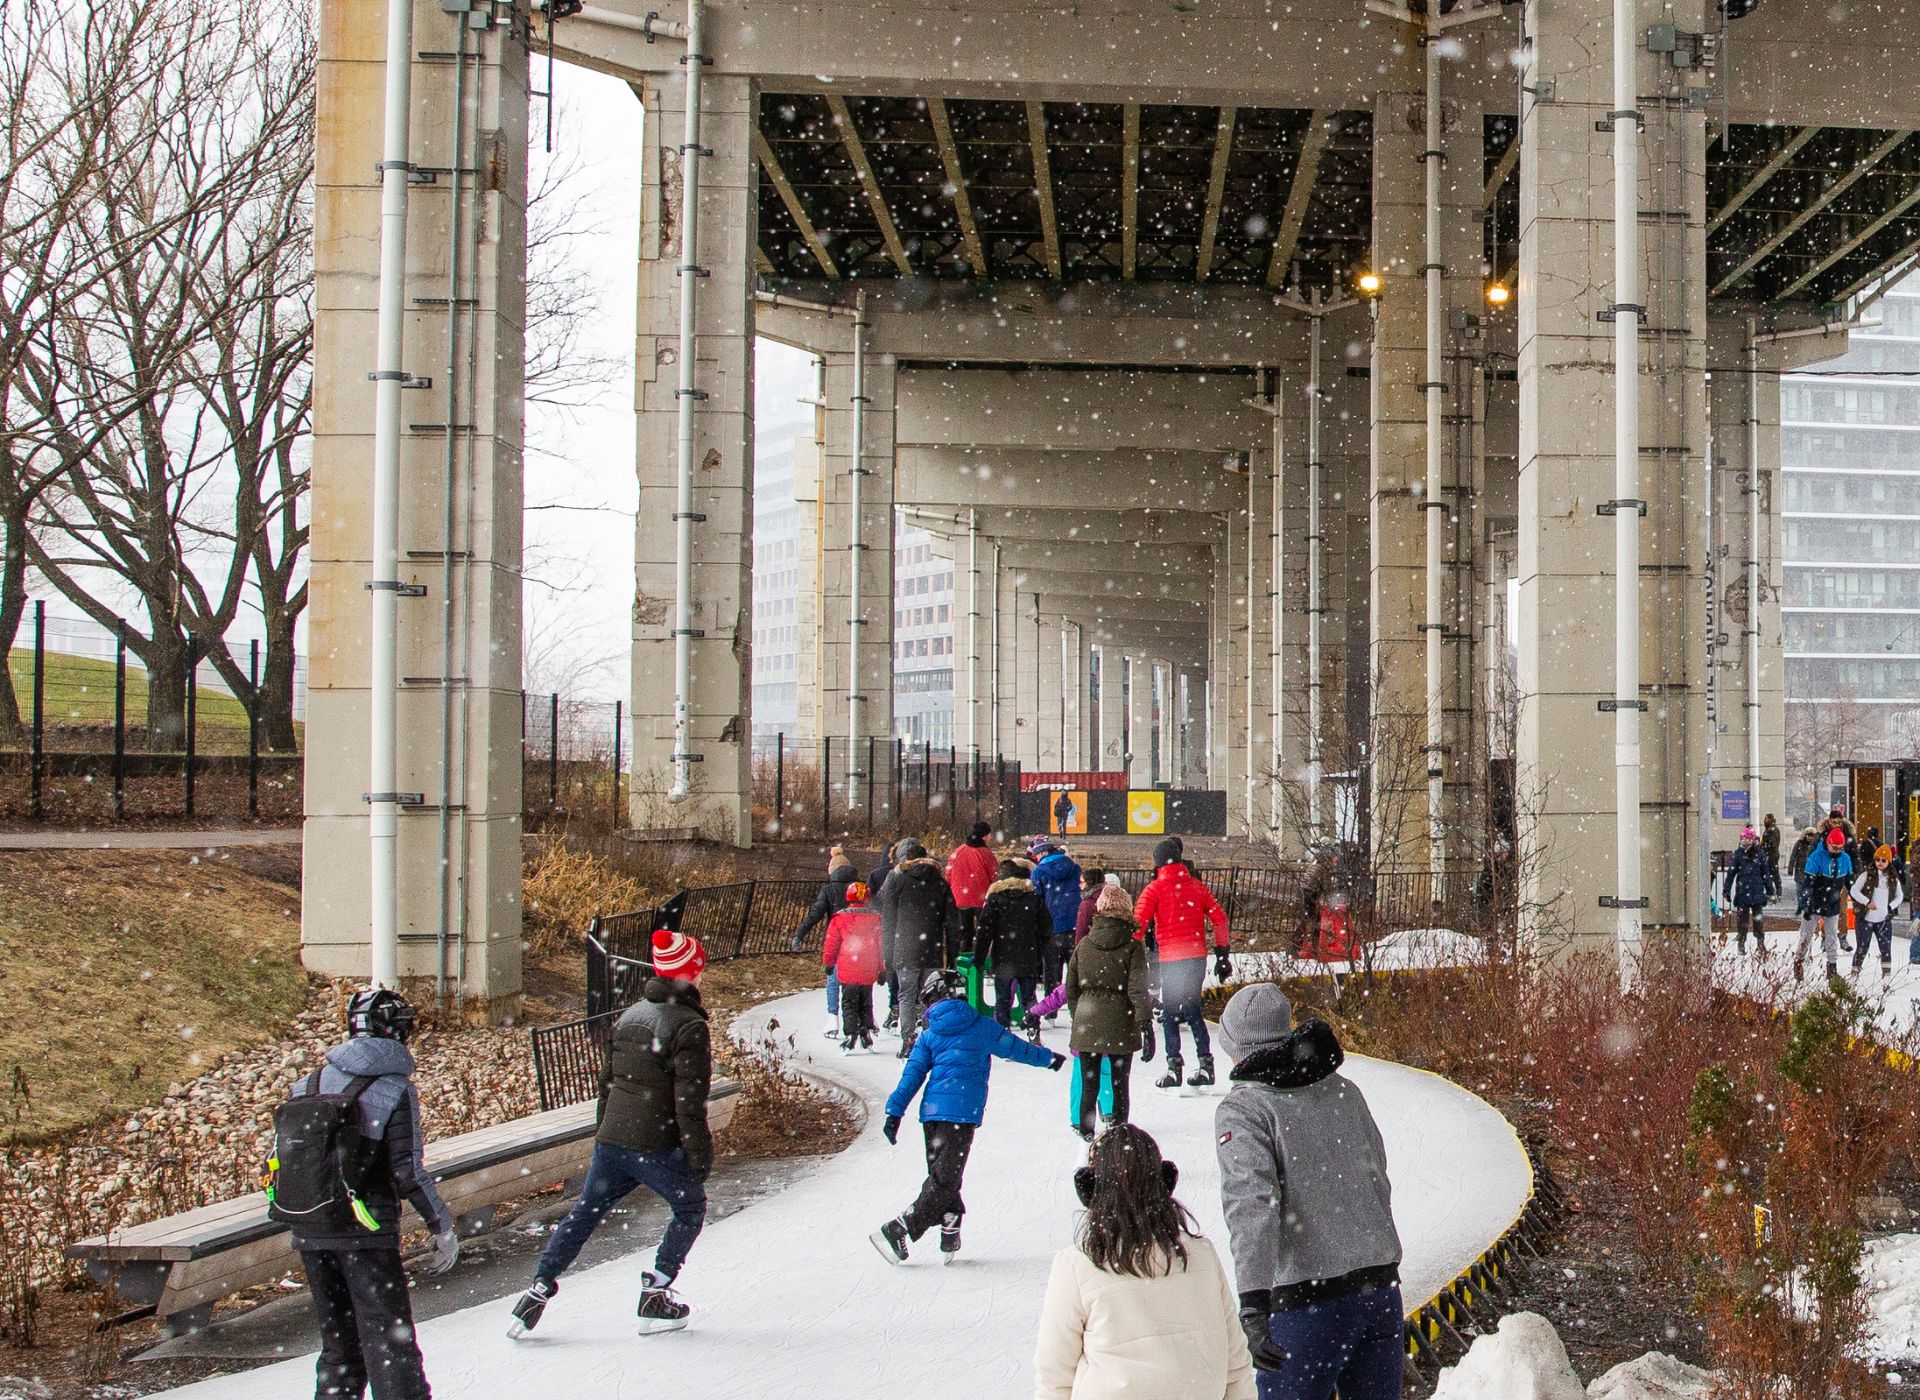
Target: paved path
(147,840)
(789,1298)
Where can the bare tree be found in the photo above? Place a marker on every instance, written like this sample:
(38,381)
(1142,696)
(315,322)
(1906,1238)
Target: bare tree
(165,400)
(1821,733)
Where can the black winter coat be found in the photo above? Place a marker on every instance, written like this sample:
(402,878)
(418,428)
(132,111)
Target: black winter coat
(1749,882)
(830,901)
(918,918)
(653,1090)
(1012,928)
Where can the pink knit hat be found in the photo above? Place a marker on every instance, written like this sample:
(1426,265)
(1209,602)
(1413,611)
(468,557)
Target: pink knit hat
(677,956)
(1747,833)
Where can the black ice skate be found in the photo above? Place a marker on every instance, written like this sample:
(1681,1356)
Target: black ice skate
(891,1240)
(1171,1079)
(659,1310)
(1202,1075)
(949,1238)
(532,1303)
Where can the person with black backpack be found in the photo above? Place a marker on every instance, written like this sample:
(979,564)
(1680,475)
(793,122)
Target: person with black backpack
(348,1150)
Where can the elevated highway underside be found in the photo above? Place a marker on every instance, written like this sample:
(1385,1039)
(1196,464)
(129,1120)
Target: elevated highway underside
(1086,288)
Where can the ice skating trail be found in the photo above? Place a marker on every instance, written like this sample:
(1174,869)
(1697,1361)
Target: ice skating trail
(789,1298)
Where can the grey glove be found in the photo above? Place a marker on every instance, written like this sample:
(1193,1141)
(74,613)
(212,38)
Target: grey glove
(446,1249)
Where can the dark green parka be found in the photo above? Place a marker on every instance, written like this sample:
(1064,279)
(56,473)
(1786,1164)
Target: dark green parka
(1107,988)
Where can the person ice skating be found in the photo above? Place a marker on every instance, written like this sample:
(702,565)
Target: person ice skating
(348,1232)
(1303,1179)
(1091,879)
(918,924)
(1828,872)
(1011,938)
(1749,886)
(1877,894)
(1138,1307)
(1176,909)
(830,901)
(1057,877)
(852,953)
(971,871)
(653,1133)
(952,1060)
(1770,844)
(1106,990)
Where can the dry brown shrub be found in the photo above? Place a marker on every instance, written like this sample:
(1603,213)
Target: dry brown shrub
(565,888)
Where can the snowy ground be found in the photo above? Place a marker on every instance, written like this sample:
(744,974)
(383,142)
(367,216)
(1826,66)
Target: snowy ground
(1770,978)
(790,1299)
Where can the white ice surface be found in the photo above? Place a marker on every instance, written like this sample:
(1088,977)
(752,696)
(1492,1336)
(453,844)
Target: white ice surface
(1891,1272)
(789,1298)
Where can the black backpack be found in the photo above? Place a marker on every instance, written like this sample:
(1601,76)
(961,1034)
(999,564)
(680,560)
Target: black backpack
(320,1160)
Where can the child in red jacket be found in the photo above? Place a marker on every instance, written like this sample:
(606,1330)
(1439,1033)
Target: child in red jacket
(852,952)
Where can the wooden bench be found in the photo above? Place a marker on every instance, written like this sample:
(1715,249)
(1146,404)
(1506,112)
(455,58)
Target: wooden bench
(179,1267)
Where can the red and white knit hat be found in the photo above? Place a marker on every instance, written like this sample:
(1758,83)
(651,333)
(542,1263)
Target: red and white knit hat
(678,956)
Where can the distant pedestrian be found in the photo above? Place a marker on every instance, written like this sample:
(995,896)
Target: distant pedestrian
(1303,1179)
(653,1132)
(919,922)
(1011,941)
(1176,911)
(1770,843)
(1749,886)
(343,1201)
(952,1060)
(1057,878)
(1877,894)
(1829,871)
(1138,1306)
(852,955)
(1106,988)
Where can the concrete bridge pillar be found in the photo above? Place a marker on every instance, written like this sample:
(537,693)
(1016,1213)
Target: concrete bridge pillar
(1111,753)
(1079,744)
(1050,718)
(1139,720)
(720,697)
(973,677)
(873,549)
(1257,797)
(1405,138)
(1566,752)
(468,633)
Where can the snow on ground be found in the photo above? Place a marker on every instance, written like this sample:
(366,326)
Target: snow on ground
(1397,951)
(1770,978)
(1523,1359)
(1891,1272)
(790,1299)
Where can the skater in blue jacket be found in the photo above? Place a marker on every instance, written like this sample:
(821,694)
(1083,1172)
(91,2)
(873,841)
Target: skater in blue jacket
(952,1059)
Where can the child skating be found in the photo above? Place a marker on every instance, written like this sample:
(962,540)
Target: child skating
(1106,989)
(952,1059)
(852,955)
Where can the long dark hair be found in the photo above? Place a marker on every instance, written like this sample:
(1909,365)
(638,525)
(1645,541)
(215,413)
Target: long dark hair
(1134,1226)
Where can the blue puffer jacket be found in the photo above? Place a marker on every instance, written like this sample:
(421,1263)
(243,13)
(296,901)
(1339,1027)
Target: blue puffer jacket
(1057,879)
(1828,874)
(952,1057)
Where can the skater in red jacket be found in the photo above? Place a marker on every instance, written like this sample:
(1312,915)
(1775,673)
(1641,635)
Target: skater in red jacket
(1176,910)
(852,953)
(971,870)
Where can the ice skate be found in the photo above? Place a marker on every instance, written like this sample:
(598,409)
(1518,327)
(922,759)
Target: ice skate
(949,1239)
(893,1018)
(1172,1078)
(530,1305)
(659,1310)
(1202,1076)
(846,1046)
(832,1032)
(891,1240)
(866,1041)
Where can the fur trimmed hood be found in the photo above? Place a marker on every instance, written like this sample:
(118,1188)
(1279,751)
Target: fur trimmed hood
(1020,884)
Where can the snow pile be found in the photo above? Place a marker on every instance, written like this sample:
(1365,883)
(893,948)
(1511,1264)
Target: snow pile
(1891,1274)
(1522,1360)
(1403,949)
(1655,1376)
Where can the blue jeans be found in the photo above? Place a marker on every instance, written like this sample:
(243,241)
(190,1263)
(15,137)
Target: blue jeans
(833,992)
(1180,1003)
(611,1178)
(1355,1345)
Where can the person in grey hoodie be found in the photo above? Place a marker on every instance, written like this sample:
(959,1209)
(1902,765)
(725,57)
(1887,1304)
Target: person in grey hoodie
(353,1270)
(1303,1178)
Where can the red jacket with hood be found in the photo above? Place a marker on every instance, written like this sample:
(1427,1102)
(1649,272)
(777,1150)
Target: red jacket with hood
(1180,907)
(971,870)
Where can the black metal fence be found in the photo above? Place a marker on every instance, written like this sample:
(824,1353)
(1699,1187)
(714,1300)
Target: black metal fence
(568,1058)
(829,789)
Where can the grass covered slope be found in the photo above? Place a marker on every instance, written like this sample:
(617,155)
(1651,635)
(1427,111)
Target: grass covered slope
(124,971)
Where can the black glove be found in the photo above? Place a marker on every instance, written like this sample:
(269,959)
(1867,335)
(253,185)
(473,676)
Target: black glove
(1057,1061)
(1146,1042)
(1030,1023)
(1267,1356)
(700,1174)
(890,1130)
(1222,964)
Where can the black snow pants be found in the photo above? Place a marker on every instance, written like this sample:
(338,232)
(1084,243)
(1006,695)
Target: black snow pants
(366,1325)
(1121,1071)
(947,1147)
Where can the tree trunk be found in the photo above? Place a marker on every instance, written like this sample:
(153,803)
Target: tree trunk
(166,662)
(13,606)
(276,687)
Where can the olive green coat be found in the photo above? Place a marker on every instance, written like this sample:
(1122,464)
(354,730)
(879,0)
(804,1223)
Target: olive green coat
(1107,988)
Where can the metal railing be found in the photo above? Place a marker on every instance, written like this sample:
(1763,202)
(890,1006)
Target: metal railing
(568,1059)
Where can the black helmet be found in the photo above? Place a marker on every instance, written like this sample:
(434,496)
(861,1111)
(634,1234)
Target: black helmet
(380,1012)
(943,985)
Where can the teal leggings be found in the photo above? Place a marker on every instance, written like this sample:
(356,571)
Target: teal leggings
(1073,1093)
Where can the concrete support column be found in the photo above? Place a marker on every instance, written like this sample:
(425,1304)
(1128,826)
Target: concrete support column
(1079,744)
(973,643)
(874,548)
(1006,642)
(721,732)
(1111,754)
(1403,136)
(1163,678)
(1140,720)
(1223,649)
(471,631)
(1566,758)
(1290,602)
(1257,796)
(1027,664)
(1051,716)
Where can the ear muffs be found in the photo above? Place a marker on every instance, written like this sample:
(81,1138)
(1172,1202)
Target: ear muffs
(1083,1181)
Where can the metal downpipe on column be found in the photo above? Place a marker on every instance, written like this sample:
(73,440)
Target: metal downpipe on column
(1316,750)
(1433,500)
(1627,315)
(973,633)
(686,397)
(1753,568)
(1276,721)
(856,547)
(390,381)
